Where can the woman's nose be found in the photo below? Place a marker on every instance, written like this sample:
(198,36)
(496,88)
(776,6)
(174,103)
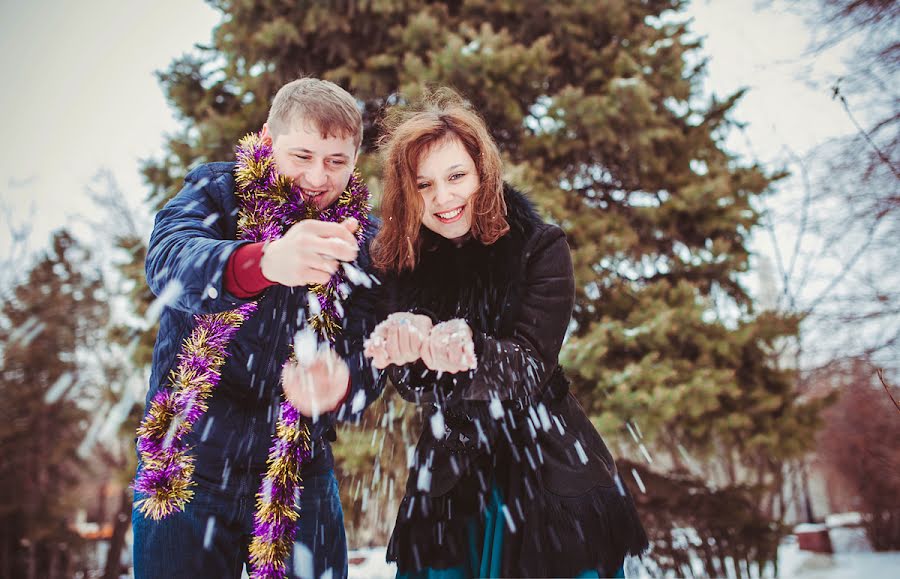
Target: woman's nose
(442,194)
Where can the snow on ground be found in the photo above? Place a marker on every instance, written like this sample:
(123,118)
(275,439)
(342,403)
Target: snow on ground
(854,559)
(806,565)
(370,564)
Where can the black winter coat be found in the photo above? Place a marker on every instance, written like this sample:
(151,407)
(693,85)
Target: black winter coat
(510,422)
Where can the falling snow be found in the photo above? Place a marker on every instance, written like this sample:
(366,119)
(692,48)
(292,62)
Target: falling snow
(166,297)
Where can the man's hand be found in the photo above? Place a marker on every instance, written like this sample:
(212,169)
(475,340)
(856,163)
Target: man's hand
(317,386)
(398,339)
(449,347)
(310,252)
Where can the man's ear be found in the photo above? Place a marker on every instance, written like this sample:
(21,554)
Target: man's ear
(266,134)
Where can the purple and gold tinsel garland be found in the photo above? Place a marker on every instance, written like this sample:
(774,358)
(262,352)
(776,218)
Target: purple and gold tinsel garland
(166,466)
(275,520)
(269,204)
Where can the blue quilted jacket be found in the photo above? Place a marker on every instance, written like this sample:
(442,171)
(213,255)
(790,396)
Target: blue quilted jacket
(192,238)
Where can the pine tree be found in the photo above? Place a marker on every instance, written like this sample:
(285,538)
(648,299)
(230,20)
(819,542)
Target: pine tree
(597,109)
(50,318)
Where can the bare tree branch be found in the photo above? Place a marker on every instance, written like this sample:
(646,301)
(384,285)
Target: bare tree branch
(887,388)
(836,93)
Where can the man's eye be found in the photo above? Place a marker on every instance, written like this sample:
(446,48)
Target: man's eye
(338,162)
(302,157)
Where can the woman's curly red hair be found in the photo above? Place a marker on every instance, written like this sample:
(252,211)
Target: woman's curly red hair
(410,134)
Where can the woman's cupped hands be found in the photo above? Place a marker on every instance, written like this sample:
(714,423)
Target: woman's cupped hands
(404,338)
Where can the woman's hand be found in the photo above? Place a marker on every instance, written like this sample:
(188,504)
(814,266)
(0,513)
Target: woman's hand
(317,385)
(449,347)
(398,339)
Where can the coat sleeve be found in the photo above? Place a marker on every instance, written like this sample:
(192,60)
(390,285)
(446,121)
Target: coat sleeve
(518,366)
(191,243)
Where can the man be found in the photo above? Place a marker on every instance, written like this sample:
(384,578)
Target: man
(229,239)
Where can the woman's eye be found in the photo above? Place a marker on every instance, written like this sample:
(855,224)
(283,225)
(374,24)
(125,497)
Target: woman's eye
(457,176)
(423,186)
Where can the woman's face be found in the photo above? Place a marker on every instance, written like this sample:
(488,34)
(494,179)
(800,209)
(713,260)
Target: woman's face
(447,179)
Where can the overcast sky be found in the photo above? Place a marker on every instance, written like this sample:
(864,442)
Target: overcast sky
(80,94)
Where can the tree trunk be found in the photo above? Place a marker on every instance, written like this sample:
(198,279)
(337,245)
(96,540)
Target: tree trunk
(807,500)
(52,570)
(102,499)
(31,572)
(117,541)
(6,551)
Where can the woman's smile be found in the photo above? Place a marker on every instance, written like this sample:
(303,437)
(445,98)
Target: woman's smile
(451,215)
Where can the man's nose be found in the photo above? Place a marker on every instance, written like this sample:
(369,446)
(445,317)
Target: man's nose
(316,175)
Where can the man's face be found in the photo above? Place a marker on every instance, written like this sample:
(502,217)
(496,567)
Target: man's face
(320,166)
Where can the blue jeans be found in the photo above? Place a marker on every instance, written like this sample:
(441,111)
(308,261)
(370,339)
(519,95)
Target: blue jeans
(210,538)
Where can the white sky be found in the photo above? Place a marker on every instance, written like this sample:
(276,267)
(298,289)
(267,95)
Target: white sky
(765,49)
(80,93)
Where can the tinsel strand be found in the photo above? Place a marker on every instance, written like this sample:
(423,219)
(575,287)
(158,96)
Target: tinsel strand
(277,502)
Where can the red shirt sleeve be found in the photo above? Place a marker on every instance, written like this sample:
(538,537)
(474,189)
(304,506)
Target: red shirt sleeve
(243,272)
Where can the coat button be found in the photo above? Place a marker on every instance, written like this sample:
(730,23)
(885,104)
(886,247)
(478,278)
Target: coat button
(212,293)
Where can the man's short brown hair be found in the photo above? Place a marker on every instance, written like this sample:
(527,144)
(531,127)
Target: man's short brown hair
(327,106)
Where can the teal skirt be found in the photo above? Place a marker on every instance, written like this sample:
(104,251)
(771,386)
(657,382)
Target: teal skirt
(485,562)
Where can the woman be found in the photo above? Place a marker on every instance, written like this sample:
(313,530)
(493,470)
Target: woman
(509,477)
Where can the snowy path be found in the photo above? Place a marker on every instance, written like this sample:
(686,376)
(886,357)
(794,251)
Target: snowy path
(370,564)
